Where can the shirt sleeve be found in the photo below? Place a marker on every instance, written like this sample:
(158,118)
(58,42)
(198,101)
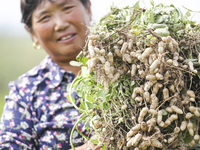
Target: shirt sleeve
(16,127)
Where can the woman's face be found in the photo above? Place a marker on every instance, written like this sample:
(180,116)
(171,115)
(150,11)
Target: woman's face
(60,27)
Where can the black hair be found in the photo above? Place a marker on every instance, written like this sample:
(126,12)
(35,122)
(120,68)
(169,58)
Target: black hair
(28,6)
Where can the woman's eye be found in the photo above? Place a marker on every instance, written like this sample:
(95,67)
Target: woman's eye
(68,7)
(44,18)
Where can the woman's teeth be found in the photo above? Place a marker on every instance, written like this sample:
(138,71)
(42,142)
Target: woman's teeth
(66,37)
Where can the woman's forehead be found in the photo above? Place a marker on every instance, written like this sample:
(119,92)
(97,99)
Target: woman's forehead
(60,2)
(47,3)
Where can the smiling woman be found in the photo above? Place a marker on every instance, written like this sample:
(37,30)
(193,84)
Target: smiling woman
(65,28)
(38,97)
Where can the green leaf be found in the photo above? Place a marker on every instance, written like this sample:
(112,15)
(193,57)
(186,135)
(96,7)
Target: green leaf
(192,60)
(149,36)
(77,81)
(188,138)
(126,83)
(159,19)
(75,63)
(187,14)
(104,96)
(198,76)
(152,17)
(152,3)
(137,5)
(84,61)
(89,83)
(89,105)
(70,98)
(105,106)
(104,147)
(79,93)
(87,128)
(74,83)
(159,25)
(164,112)
(162,32)
(82,106)
(81,58)
(90,98)
(95,141)
(115,93)
(100,93)
(132,83)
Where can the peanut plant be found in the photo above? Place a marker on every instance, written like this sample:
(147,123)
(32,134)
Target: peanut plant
(140,82)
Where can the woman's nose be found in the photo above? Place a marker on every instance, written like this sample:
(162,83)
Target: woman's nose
(60,23)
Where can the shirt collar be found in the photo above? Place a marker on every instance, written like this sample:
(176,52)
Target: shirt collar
(55,74)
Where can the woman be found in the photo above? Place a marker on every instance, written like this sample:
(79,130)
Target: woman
(37,114)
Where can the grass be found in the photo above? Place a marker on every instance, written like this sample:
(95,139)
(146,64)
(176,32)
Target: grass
(16,57)
(2,102)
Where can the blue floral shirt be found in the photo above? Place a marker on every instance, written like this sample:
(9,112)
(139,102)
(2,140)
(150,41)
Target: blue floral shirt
(37,114)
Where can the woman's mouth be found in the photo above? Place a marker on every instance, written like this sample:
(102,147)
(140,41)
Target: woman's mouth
(66,38)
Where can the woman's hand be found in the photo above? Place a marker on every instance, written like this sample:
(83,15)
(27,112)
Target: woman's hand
(82,147)
(86,146)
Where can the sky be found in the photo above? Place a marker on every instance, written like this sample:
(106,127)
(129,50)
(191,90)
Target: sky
(10,16)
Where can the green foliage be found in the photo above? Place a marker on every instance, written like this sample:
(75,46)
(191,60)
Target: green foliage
(2,102)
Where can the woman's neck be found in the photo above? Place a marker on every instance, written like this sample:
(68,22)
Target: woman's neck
(67,67)
(73,69)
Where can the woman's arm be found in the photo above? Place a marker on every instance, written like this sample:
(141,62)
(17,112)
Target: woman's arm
(16,127)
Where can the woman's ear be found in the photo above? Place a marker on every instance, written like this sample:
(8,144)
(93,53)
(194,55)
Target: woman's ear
(32,34)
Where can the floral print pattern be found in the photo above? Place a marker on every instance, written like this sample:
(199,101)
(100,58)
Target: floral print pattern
(37,114)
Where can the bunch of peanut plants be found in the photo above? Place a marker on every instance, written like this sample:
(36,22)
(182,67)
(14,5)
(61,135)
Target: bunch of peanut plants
(139,87)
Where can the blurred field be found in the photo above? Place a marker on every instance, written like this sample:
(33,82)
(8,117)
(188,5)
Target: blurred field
(16,57)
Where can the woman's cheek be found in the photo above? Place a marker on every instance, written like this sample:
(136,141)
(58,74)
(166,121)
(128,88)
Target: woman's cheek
(45,31)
